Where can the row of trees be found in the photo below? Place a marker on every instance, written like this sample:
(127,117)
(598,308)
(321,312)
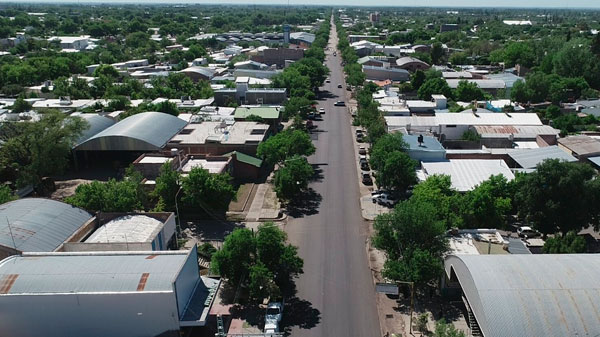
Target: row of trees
(287,151)
(198,192)
(353,70)
(413,235)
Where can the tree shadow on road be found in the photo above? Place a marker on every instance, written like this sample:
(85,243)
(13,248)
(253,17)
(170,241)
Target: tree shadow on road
(305,204)
(325,95)
(299,313)
(318,173)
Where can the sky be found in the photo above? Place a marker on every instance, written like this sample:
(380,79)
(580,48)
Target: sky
(410,3)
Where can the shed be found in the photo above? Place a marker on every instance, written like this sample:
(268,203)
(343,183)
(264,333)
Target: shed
(147,131)
(530,158)
(37,225)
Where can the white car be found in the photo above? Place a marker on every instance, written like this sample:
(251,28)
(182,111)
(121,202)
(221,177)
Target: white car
(273,317)
(321,110)
(327,80)
(384,199)
(526,231)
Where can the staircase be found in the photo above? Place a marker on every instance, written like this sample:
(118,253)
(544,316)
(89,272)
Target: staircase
(473,325)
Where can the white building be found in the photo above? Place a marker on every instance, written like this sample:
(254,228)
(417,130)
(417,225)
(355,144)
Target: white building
(72,43)
(465,174)
(102,294)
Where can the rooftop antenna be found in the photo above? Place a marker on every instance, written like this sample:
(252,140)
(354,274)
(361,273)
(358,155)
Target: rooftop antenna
(11,234)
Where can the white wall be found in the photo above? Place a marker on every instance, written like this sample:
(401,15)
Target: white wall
(454,132)
(90,315)
(168,231)
(186,280)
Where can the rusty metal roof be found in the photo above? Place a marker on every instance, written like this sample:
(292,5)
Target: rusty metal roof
(38,224)
(531,295)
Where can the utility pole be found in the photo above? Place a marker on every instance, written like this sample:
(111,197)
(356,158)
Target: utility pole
(412,300)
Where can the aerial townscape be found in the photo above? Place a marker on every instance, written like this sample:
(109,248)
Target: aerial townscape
(299,169)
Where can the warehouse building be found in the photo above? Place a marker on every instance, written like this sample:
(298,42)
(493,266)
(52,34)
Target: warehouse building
(550,295)
(37,225)
(101,294)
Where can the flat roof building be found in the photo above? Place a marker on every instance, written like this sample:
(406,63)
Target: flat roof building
(102,294)
(466,174)
(580,147)
(217,138)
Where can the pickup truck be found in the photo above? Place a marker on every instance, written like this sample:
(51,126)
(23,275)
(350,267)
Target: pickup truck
(273,317)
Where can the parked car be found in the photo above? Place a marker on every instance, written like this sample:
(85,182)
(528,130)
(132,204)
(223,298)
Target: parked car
(309,124)
(526,231)
(334,53)
(360,138)
(340,103)
(366,178)
(362,157)
(339,85)
(322,111)
(312,115)
(362,150)
(273,317)
(384,199)
(364,165)
(327,80)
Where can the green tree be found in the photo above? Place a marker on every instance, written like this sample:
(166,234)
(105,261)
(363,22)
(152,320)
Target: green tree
(285,145)
(167,107)
(167,186)
(111,196)
(437,190)
(385,145)
(398,172)
(292,177)
(443,329)
(434,86)
(106,70)
(209,192)
(437,53)
(20,105)
(546,196)
(39,149)
(570,243)
(414,242)
(468,91)
(261,283)
(234,260)
(417,79)
(488,204)
(519,92)
(297,106)
(280,258)
(6,194)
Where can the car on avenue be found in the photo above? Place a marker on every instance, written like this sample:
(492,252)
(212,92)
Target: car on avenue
(340,103)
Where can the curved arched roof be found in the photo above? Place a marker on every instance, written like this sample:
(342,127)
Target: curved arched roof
(38,224)
(96,124)
(531,295)
(147,131)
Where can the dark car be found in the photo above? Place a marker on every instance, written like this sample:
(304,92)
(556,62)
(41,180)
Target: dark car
(312,115)
(366,179)
(339,85)
(364,165)
(340,103)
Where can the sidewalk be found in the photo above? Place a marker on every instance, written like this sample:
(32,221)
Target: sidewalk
(265,206)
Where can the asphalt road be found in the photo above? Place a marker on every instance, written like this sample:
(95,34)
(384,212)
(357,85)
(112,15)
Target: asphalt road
(335,295)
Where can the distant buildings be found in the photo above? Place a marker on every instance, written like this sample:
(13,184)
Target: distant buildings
(448,27)
(278,56)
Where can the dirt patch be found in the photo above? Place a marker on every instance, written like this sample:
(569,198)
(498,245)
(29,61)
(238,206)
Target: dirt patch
(66,188)
(243,194)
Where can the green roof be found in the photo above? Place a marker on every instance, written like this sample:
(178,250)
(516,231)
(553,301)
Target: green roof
(263,112)
(244,158)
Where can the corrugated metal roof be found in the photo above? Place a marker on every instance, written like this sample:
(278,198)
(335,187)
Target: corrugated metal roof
(465,174)
(530,158)
(518,131)
(147,131)
(581,145)
(93,272)
(128,228)
(96,123)
(595,160)
(531,295)
(37,224)
(490,118)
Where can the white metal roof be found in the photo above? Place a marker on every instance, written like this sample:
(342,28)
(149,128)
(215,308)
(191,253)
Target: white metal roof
(109,272)
(550,295)
(465,174)
(491,118)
